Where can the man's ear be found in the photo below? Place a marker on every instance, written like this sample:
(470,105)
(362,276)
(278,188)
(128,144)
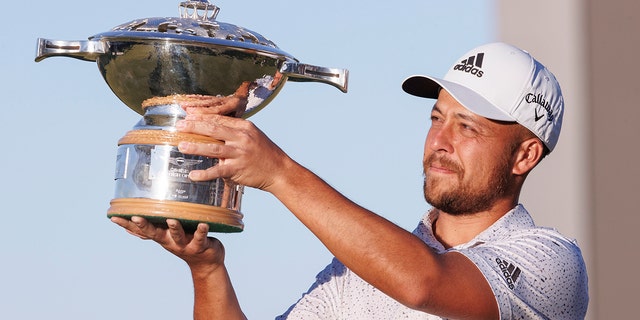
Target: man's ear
(527,156)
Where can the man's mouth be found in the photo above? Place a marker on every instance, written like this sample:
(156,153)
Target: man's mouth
(439,164)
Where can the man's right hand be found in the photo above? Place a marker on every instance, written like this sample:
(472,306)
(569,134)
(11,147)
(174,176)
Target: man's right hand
(200,252)
(214,297)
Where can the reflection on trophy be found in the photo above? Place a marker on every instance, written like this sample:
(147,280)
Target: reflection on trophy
(160,66)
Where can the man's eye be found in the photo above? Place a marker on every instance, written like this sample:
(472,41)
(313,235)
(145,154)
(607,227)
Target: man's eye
(468,127)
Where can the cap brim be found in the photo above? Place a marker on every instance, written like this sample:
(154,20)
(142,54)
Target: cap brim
(421,86)
(429,87)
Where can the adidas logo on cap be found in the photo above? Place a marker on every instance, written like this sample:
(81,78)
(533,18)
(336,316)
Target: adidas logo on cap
(471,65)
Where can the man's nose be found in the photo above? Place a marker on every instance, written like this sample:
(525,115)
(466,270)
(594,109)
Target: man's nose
(440,138)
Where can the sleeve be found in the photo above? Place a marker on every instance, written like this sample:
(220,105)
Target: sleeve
(322,300)
(536,275)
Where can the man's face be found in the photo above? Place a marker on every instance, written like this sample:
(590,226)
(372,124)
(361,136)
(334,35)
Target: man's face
(467,159)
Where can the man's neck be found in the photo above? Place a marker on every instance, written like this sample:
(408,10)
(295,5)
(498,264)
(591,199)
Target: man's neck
(452,230)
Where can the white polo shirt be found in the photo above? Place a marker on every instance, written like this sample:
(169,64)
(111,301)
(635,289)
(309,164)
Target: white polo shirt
(534,272)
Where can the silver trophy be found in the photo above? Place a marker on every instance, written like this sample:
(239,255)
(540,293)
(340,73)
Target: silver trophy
(156,65)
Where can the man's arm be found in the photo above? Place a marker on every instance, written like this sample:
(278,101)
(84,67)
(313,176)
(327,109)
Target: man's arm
(214,297)
(383,254)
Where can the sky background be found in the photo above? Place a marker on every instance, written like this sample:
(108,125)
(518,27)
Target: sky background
(63,259)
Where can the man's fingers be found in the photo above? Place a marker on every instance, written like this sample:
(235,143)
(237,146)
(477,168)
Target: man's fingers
(177,232)
(212,150)
(142,223)
(200,235)
(130,226)
(215,126)
(120,221)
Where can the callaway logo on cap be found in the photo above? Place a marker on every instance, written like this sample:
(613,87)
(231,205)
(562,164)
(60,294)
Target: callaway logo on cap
(501,82)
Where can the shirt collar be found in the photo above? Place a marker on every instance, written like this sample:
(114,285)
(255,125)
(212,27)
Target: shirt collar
(517,218)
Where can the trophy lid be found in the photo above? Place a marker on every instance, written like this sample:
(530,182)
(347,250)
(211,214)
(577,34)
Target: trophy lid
(196,23)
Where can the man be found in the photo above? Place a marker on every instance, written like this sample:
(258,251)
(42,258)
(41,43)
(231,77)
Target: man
(475,255)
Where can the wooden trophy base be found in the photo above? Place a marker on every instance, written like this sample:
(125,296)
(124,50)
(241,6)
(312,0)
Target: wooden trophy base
(189,214)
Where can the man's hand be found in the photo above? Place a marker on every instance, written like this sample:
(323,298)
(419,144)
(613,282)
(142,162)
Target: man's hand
(214,295)
(233,105)
(248,156)
(200,252)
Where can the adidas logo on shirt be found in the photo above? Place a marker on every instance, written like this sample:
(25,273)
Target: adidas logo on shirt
(471,65)
(509,272)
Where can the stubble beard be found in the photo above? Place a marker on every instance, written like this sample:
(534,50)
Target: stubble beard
(465,199)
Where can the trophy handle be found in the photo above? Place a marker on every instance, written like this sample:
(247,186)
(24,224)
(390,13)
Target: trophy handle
(87,50)
(300,72)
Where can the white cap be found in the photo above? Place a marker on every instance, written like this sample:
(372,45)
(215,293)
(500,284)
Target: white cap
(501,82)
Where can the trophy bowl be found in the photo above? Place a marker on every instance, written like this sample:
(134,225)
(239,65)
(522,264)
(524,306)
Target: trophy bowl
(153,65)
(190,54)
